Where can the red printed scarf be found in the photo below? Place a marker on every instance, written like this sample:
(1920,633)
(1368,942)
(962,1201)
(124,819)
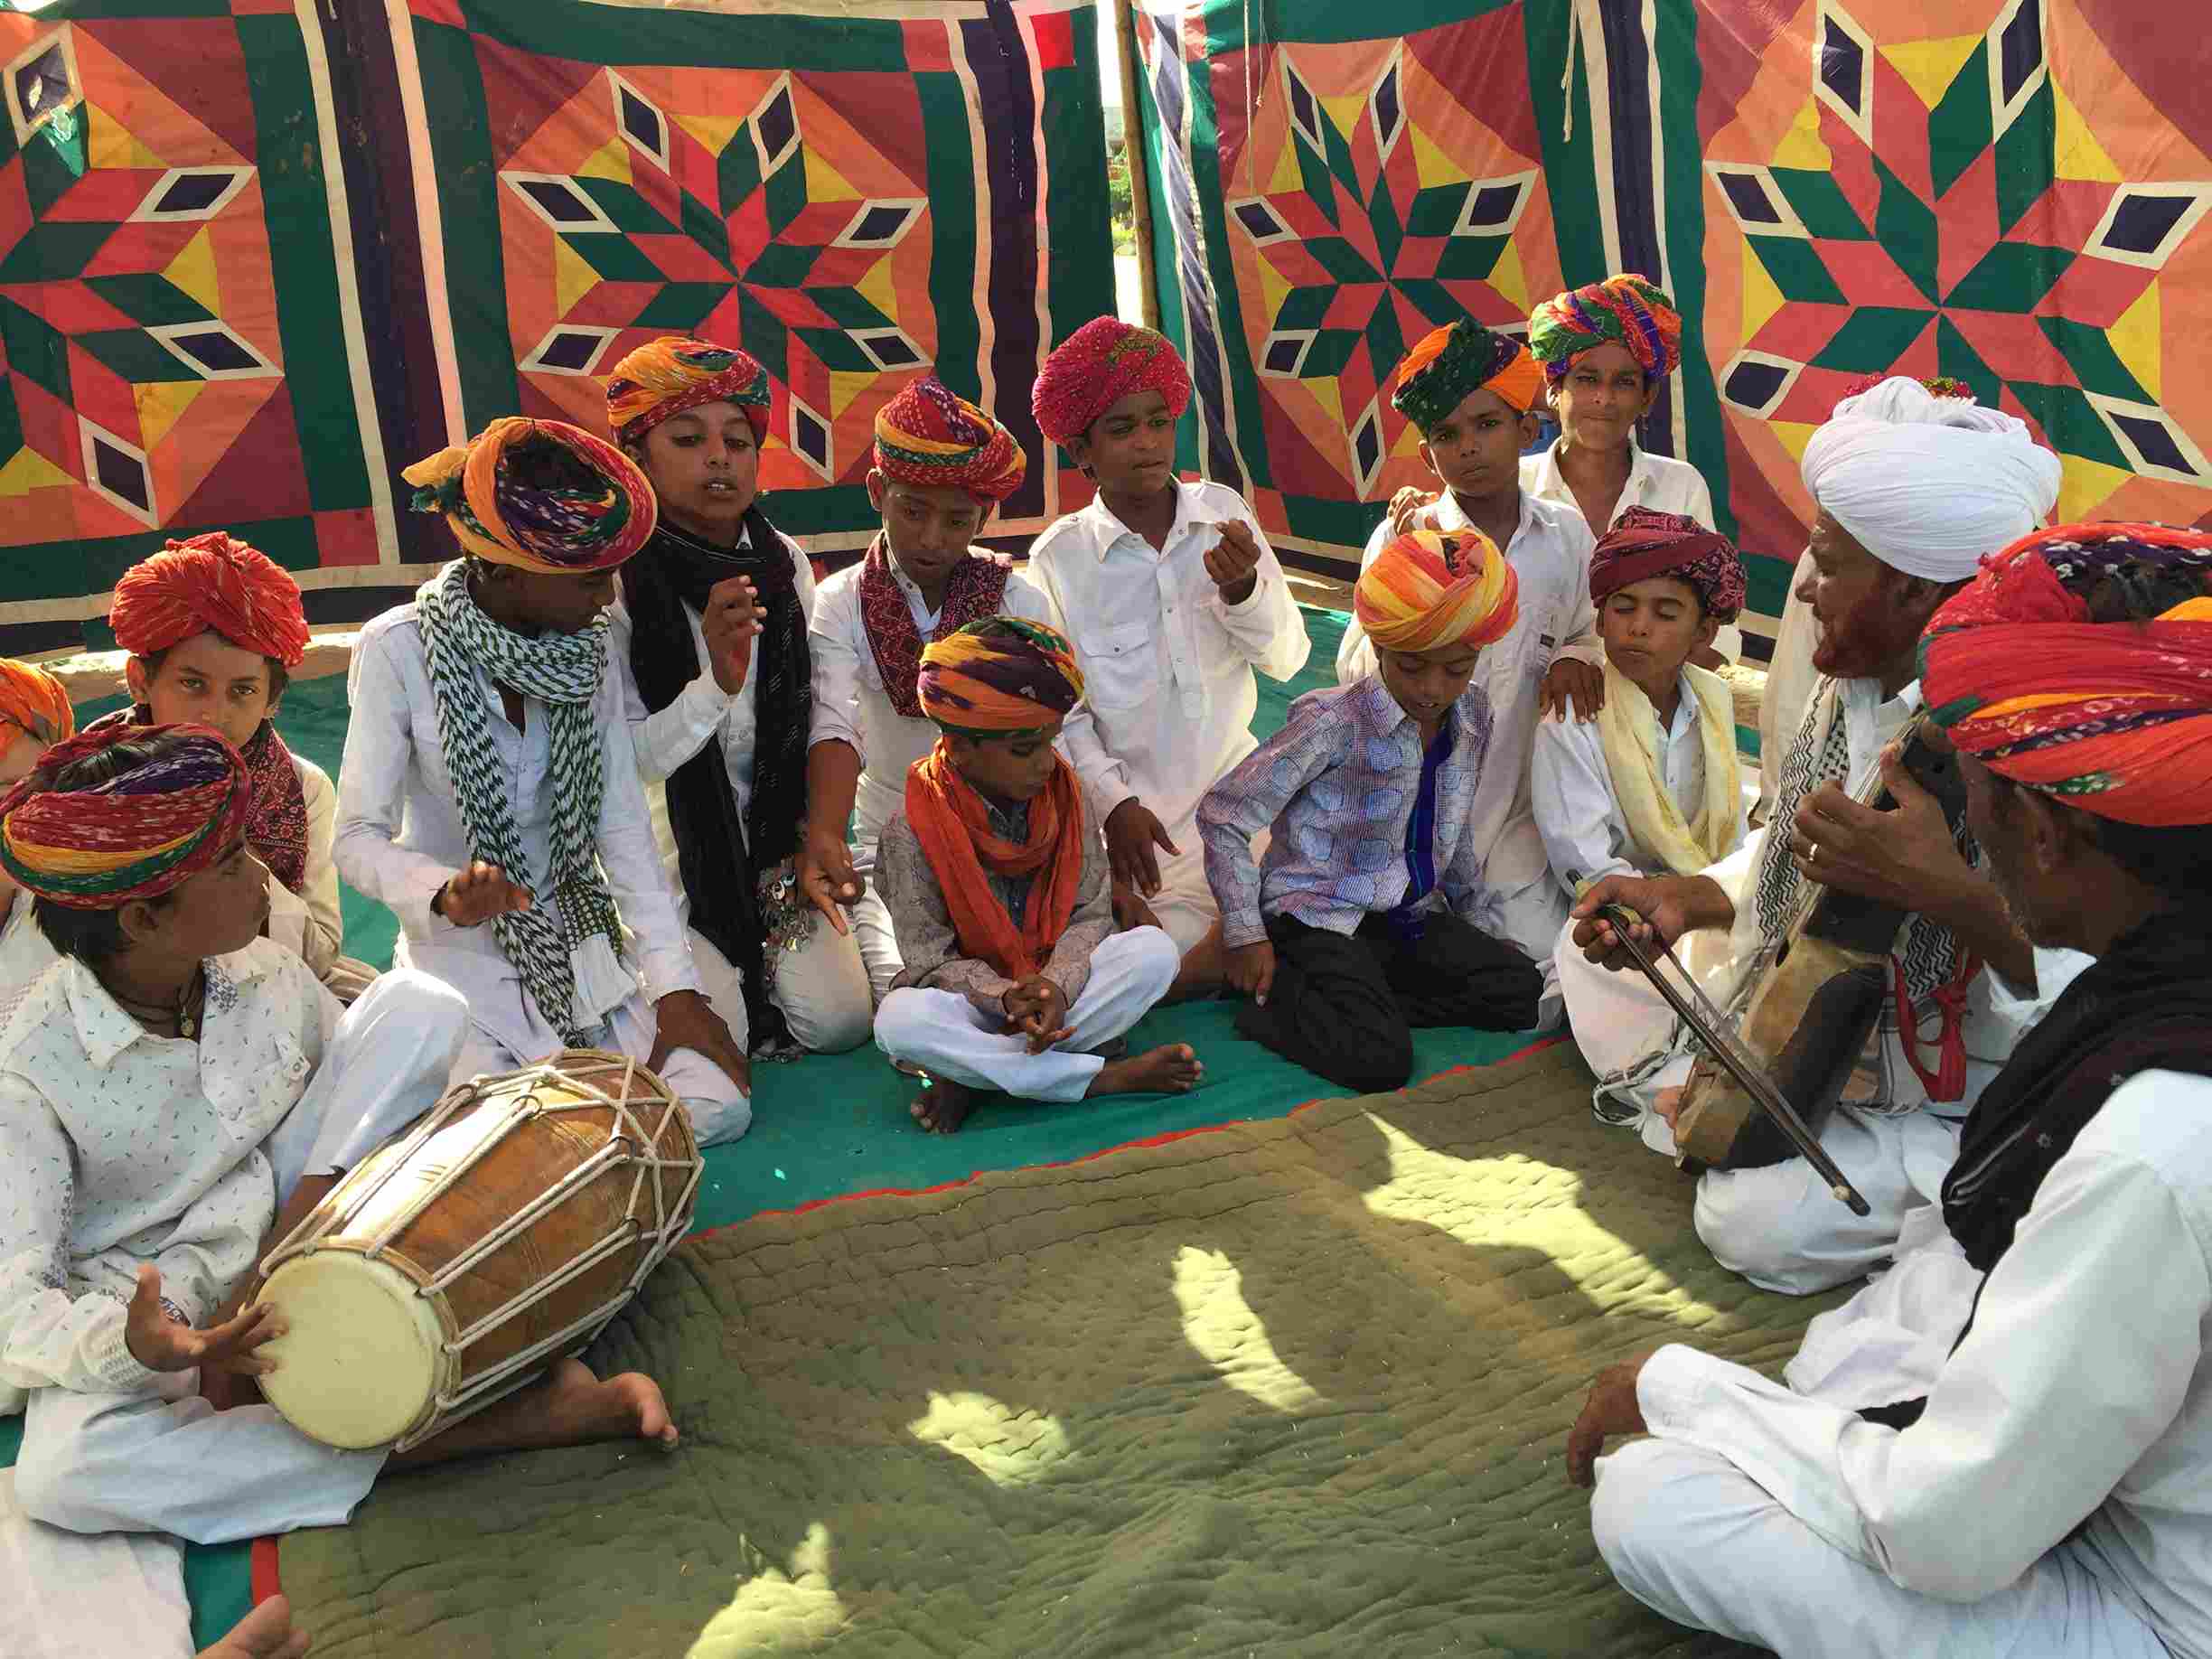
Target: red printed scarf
(975,589)
(276,822)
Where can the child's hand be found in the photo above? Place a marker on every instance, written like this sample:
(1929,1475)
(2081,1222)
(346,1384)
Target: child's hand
(1133,831)
(731,622)
(1234,561)
(1036,1007)
(1566,682)
(1407,506)
(827,877)
(478,893)
(1251,969)
(1130,910)
(161,1343)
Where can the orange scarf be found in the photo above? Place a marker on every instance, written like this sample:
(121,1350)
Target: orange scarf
(954,826)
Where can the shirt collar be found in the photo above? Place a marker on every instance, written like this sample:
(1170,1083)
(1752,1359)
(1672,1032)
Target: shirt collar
(1113,528)
(1553,485)
(1450,509)
(1381,712)
(104,1030)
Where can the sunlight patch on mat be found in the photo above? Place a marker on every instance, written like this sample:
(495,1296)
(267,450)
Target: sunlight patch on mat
(1010,1448)
(1219,1323)
(779,1612)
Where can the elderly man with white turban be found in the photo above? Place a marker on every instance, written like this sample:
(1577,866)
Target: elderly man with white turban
(1913,489)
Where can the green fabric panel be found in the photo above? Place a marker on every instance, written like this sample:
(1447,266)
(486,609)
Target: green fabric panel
(1959,127)
(468,200)
(953,210)
(592,34)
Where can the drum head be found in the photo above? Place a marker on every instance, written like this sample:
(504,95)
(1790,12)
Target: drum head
(362,1360)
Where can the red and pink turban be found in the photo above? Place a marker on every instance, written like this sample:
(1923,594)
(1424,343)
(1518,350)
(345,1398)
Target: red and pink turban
(2113,718)
(1097,366)
(1645,543)
(210,583)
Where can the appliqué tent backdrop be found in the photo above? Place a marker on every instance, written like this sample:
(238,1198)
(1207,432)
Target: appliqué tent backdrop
(255,257)
(2008,191)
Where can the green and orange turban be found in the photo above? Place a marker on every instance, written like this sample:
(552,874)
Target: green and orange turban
(665,377)
(135,836)
(1447,366)
(997,676)
(2113,718)
(1097,366)
(498,509)
(931,438)
(31,701)
(212,583)
(1622,311)
(1428,590)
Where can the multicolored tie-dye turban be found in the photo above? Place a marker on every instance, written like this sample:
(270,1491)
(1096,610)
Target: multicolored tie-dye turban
(666,377)
(1448,364)
(135,836)
(491,492)
(1097,366)
(931,438)
(1622,311)
(1430,589)
(211,581)
(999,675)
(31,701)
(2113,718)
(1645,543)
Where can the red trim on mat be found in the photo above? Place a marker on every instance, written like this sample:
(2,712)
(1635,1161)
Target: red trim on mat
(1522,1053)
(265,1579)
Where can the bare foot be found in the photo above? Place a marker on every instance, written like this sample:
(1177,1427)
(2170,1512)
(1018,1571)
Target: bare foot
(943,1106)
(570,1406)
(1171,1069)
(1667,1104)
(1205,969)
(266,1633)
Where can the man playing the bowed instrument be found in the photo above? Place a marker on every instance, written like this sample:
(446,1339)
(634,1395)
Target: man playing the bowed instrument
(1912,492)
(2050,1493)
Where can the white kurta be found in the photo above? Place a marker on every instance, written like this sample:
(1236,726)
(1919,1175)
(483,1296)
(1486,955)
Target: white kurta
(1656,482)
(1551,554)
(1614,1016)
(1167,668)
(26,951)
(851,707)
(308,924)
(2083,1390)
(400,839)
(1791,680)
(821,988)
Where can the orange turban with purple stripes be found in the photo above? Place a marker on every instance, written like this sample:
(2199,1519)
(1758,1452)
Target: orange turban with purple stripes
(999,675)
(931,438)
(1428,590)
(498,509)
(1449,363)
(211,583)
(31,701)
(2113,718)
(665,377)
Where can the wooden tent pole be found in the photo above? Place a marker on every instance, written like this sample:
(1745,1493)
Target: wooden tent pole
(1132,149)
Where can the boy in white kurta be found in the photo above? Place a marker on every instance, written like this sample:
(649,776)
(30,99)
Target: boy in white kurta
(2047,1488)
(1652,786)
(942,465)
(34,716)
(490,795)
(173,1095)
(1470,391)
(1173,599)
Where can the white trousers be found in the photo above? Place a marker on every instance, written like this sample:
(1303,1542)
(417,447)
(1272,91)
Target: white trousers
(164,1460)
(1616,1018)
(1888,1342)
(719,1110)
(945,1034)
(140,1607)
(822,989)
(872,927)
(1695,1539)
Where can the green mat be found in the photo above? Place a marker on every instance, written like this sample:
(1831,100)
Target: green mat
(1296,1387)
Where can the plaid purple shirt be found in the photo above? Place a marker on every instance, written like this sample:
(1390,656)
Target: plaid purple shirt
(1337,784)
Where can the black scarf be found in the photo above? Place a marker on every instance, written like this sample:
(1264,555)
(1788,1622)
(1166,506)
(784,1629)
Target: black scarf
(722,863)
(2146,1005)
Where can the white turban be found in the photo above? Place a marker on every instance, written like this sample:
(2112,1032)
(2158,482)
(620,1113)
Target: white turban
(1929,485)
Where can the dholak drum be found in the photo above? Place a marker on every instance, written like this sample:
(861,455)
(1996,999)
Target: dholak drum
(464,1258)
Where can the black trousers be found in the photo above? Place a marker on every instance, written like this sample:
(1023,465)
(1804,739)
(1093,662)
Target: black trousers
(1346,1007)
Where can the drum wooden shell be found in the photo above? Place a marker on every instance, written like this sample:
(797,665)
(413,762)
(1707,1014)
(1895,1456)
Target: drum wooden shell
(461,1260)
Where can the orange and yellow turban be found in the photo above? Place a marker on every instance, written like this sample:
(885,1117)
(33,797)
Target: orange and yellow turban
(999,675)
(1622,311)
(2113,718)
(665,377)
(931,438)
(1448,365)
(139,834)
(498,512)
(211,583)
(1430,589)
(31,701)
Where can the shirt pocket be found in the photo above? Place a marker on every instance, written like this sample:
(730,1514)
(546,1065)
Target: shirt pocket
(1121,665)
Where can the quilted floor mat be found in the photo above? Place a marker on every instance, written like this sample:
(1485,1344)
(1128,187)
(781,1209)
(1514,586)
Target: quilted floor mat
(1299,1387)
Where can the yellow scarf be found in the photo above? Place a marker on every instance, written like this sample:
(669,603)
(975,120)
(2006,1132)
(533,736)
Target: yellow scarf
(1628,728)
